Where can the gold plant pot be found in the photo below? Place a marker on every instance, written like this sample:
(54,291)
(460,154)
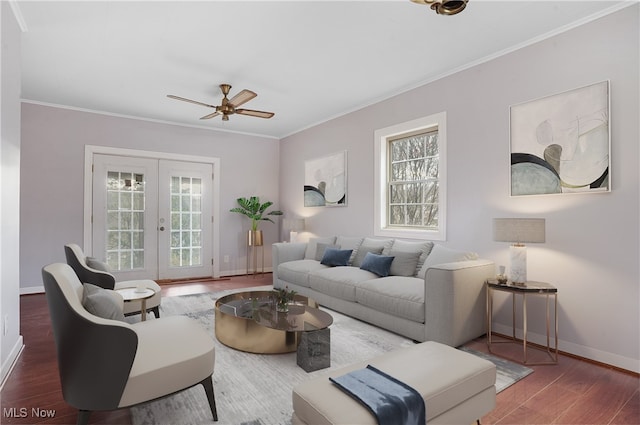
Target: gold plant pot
(254,238)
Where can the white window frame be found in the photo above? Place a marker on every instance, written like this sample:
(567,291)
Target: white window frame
(382,137)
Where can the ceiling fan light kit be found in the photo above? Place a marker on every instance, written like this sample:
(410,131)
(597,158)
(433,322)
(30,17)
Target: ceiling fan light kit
(444,7)
(229,106)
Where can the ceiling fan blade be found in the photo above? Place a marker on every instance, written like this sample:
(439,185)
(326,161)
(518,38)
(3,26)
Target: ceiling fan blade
(206,117)
(243,97)
(189,100)
(251,112)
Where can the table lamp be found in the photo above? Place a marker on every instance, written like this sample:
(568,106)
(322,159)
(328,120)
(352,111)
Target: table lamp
(294,225)
(518,231)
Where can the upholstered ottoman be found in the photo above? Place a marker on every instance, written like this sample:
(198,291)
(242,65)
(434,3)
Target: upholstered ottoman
(457,387)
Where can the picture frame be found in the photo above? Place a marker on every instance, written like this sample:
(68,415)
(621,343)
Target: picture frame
(325,181)
(561,143)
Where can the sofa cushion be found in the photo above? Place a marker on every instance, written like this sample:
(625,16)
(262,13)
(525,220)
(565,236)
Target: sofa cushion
(103,303)
(339,282)
(404,263)
(297,271)
(395,295)
(158,368)
(440,255)
(346,242)
(423,247)
(378,264)
(321,248)
(358,258)
(336,257)
(312,246)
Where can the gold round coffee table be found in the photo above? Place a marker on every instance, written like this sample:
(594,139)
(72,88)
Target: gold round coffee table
(248,321)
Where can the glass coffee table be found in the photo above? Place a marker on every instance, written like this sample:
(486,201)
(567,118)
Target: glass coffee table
(248,321)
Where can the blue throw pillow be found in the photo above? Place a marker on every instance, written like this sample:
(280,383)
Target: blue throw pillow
(378,264)
(336,257)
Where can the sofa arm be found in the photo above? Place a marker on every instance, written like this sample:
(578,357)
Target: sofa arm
(455,301)
(282,252)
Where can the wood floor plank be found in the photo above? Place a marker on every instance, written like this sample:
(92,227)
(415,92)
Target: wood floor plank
(572,392)
(602,401)
(630,412)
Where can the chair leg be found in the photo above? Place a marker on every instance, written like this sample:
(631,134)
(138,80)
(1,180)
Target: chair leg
(156,311)
(207,383)
(83,417)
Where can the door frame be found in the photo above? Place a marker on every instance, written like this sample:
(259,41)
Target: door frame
(91,150)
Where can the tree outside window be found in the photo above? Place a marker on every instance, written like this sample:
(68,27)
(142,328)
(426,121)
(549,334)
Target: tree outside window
(410,178)
(413,181)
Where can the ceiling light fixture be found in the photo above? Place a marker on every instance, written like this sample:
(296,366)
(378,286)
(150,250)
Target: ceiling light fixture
(444,7)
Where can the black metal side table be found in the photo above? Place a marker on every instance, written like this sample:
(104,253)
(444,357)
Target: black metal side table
(528,288)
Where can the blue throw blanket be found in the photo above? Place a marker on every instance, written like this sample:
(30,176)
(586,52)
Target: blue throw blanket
(391,401)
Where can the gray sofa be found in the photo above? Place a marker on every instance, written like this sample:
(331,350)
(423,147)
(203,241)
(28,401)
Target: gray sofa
(431,293)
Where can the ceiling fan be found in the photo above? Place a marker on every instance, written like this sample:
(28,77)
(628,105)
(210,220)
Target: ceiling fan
(229,106)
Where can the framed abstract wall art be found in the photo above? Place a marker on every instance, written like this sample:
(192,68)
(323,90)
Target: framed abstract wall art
(325,181)
(561,143)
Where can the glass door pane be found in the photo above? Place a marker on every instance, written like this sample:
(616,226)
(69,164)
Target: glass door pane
(124,231)
(185,247)
(125,220)
(186,221)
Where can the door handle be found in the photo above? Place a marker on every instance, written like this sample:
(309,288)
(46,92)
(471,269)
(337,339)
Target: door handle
(162,228)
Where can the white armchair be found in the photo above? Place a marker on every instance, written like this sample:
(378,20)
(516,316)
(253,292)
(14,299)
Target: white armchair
(87,274)
(107,364)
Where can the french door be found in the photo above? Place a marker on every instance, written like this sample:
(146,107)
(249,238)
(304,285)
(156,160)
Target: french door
(152,217)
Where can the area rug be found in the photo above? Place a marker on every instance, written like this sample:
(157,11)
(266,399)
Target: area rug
(254,389)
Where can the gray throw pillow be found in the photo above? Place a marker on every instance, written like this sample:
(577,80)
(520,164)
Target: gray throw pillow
(424,247)
(347,242)
(404,263)
(101,302)
(96,264)
(362,253)
(336,257)
(378,264)
(320,249)
(312,245)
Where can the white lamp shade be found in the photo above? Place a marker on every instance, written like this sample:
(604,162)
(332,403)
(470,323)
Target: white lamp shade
(519,230)
(293,224)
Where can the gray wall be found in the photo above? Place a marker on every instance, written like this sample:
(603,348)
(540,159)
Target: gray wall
(592,251)
(592,247)
(52,172)
(10,182)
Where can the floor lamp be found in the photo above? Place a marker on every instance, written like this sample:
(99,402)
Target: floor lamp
(518,231)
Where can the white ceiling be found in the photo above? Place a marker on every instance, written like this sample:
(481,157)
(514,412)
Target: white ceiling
(309,61)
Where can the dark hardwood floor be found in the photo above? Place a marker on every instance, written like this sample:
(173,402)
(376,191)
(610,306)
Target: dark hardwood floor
(572,392)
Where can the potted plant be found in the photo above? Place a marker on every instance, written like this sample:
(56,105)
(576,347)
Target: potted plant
(256,211)
(283,297)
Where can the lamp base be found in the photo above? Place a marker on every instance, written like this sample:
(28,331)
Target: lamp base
(518,254)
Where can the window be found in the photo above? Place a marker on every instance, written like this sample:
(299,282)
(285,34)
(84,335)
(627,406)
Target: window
(410,197)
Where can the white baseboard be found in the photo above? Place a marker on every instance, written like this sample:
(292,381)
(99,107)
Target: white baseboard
(240,272)
(600,356)
(9,363)
(32,290)
(40,289)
